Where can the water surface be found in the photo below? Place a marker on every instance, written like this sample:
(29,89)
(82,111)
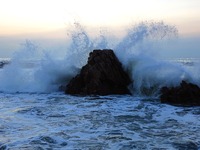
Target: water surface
(58,121)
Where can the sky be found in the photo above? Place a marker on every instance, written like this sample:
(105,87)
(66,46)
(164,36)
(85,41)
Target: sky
(51,17)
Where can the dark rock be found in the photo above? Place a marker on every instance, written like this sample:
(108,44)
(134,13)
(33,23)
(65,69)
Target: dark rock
(62,88)
(187,94)
(102,75)
(3,63)
(187,145)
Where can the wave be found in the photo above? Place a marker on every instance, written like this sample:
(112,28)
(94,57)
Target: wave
(33,69)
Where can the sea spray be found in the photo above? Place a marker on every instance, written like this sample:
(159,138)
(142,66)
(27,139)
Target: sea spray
(82,43)
(137,52)
(80,46)
(34,69)
(16,76)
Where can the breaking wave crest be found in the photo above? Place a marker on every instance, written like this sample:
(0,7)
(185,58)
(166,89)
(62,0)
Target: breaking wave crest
(33,69)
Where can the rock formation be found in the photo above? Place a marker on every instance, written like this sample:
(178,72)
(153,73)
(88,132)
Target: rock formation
(187,94)
(102,75)
(3,63)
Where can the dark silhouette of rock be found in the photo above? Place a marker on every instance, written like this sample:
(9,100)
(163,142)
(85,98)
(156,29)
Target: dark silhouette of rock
(102,75)
(3,63)
(187,94)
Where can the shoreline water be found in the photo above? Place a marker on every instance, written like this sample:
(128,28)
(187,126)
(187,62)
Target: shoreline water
(59,121)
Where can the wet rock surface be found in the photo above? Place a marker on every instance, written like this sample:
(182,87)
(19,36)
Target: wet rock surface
(102,75)
(187,94)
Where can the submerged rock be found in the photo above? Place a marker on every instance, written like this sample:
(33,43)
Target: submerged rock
(102,75)
(186,94)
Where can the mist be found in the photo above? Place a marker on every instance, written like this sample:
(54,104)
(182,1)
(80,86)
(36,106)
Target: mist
(57,42)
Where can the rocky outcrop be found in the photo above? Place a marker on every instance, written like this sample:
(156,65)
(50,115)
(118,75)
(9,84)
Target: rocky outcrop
(187,94)
(102,75)
(3,63)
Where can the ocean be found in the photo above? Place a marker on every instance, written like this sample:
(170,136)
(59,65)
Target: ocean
(34,114)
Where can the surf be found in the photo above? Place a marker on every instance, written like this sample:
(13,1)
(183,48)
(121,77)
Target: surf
(33,69)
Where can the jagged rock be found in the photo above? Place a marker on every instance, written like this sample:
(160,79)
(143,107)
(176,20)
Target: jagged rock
(102,75)
(187,94)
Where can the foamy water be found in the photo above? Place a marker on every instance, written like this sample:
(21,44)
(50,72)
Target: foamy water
(57,121)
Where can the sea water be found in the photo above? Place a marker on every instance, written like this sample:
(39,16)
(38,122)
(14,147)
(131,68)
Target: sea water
(58,121)
(35,115)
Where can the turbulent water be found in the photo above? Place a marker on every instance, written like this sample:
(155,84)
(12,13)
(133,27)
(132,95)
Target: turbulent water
(57,121)
(34,115)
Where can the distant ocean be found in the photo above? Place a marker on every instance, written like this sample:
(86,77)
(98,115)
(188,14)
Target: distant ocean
(35,115)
